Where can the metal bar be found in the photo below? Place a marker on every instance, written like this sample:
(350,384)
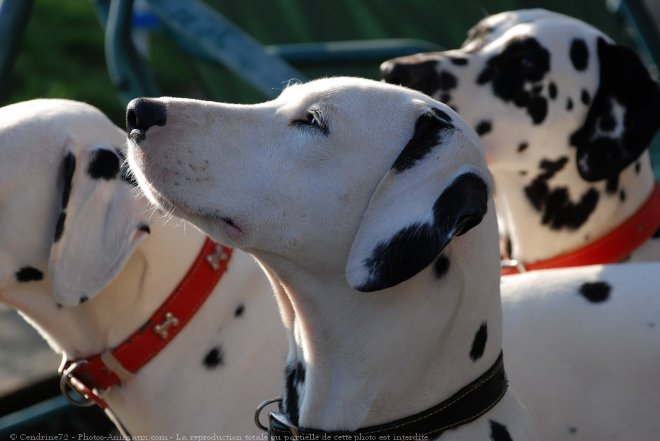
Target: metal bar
(204,28)
(14,15)
(126,69)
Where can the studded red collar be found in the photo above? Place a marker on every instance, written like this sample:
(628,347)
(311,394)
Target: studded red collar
(611,248)
(92,375)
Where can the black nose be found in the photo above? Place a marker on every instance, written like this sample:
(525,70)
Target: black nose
(142,113)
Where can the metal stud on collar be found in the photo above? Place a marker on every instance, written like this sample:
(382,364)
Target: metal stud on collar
(218,256)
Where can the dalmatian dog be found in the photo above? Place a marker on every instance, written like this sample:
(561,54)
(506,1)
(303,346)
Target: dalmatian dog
(112,263)
(368,206)
(566,117)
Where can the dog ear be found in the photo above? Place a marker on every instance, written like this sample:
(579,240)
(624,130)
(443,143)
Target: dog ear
(419,206)
(623,117)
(98,227)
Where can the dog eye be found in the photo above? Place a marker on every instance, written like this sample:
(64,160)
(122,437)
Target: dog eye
(313,119)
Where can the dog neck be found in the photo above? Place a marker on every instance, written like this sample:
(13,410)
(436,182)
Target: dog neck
(540,229)
(359,359)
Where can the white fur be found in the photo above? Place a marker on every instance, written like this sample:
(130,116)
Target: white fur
(175,392)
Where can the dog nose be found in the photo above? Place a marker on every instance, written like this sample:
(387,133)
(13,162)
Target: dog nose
(395,72)
(143,113)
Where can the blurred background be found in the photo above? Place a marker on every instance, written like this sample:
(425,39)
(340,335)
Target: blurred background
(106,52)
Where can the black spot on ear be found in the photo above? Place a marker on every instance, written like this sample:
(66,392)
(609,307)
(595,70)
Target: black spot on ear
(458,61)
(499,432)
(483,127)
(29,274)
(294,375)
(428,133)
(103,164)
(555,205)
(83,299)
(579,54)
(214,358)
(595,292)
(552,90)
(479,342)
(239,310)
(460,207)
(522,147)
(441,267)
(59,227)
(69,166)
(585,97)
(625,84)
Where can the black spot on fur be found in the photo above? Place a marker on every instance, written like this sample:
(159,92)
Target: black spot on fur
(626,83)
(103,164)
(445,97)
(214,358)
(83,299)
(569,104)
(499,432)
(483,127)
(524,61)
(612,184)
(428,134)
(579,54)
(423,76)
(572,430)
(552,90)
(447,81)
(239,310)
(558,211)
(585,97)
(522,172)
(29,274)
(294,375)
(479,342)
(59,227)
(441,266)
(458,61)
(622,195)
(595,292)
(69,165)
(459,208)
(522,147)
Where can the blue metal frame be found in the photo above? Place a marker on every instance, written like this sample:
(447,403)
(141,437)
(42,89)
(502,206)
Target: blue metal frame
(14,15)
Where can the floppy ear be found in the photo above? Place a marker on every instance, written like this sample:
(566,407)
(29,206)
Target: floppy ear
(623,117)
(419,206)
(98,227)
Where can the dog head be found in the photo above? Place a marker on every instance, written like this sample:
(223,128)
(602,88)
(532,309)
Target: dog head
(340,175)
(67,217)
(538,85)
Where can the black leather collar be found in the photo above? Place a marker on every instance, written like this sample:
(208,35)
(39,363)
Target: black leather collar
(464,406)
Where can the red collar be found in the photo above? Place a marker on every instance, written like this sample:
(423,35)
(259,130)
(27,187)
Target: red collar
(117,365)
(611,248)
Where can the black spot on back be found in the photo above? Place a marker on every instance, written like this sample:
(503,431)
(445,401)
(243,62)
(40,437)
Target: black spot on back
(239,310)
(214,358)
(595,292)
(422,76)
(103,164)
(441,266)
(579,54)
(479,342)
(522,147)
(29,274)
(428,134)
(585,97)
(294,375)
(569,104)
(483,127)
(447,81)
(499,432)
